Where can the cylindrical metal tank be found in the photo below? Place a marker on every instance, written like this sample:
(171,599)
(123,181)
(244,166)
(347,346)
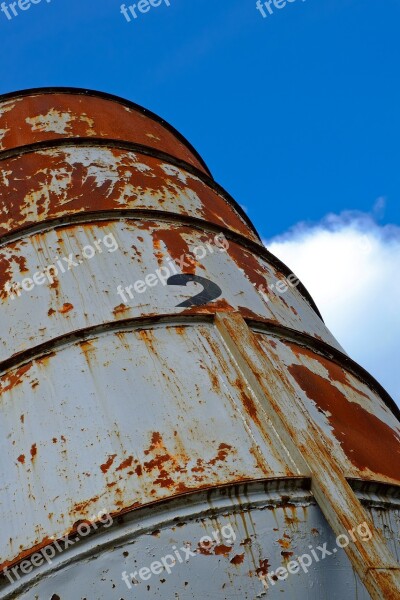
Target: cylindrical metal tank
(177,422)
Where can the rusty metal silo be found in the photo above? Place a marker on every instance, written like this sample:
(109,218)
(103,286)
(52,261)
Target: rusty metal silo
(160,367)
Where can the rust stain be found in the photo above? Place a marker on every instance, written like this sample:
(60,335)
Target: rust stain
(177,247)
(83,505)
(33,451)
(222,549)
(121,308)
(246,542)
(262,570)
(238,559)
(336,373)
(58,182)
(21,458)
(67,307)
(366,440)
(284,542)
(44,117)
(108,463)
(206,550)
(11,380)
(223,451)
(247,401)
(125,464)
(156,442)
(246,261)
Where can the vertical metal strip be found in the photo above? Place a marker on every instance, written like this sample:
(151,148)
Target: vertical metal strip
(309,449)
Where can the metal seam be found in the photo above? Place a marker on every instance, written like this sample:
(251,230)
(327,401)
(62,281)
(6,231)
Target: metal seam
(111,98)
(324,349)
(173,320)
(116,214)
(131,147)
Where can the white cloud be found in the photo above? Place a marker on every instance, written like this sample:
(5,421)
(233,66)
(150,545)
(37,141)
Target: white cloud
(350,265)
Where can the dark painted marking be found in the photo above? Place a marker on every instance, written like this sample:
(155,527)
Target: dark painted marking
(210,292)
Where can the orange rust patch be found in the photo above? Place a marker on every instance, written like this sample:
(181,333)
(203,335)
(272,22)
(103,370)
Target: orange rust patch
(284,543)
(263,568)
(206,549)
(156,442)
(177,246)
(82,505)
(108,463)
(247,401)
(125,464)
(65,308)
(222,549)
(21,458)
(246,542)
(33,451)
(247,261)
(43,360)
(100,117)
(223,451)
(14,378)
(366,440)
(238,559)
(336,373)
(121,308)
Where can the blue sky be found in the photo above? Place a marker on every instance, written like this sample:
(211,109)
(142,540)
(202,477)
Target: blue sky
(297,115)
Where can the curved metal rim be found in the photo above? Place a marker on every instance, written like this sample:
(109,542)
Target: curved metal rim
(131,147)
(260,325)
(136,521)
(75,91)
(90,216)
(327,351)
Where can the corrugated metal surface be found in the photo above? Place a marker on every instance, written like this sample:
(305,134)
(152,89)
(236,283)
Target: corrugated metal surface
(214,398)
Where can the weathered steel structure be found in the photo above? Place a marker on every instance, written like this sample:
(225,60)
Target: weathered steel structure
(151,372)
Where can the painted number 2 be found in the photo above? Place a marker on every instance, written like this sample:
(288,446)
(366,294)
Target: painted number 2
(210,292)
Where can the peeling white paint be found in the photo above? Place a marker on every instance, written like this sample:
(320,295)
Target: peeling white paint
(9,105)
(54,121)
(4,177)
(3,133)
(173,171)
